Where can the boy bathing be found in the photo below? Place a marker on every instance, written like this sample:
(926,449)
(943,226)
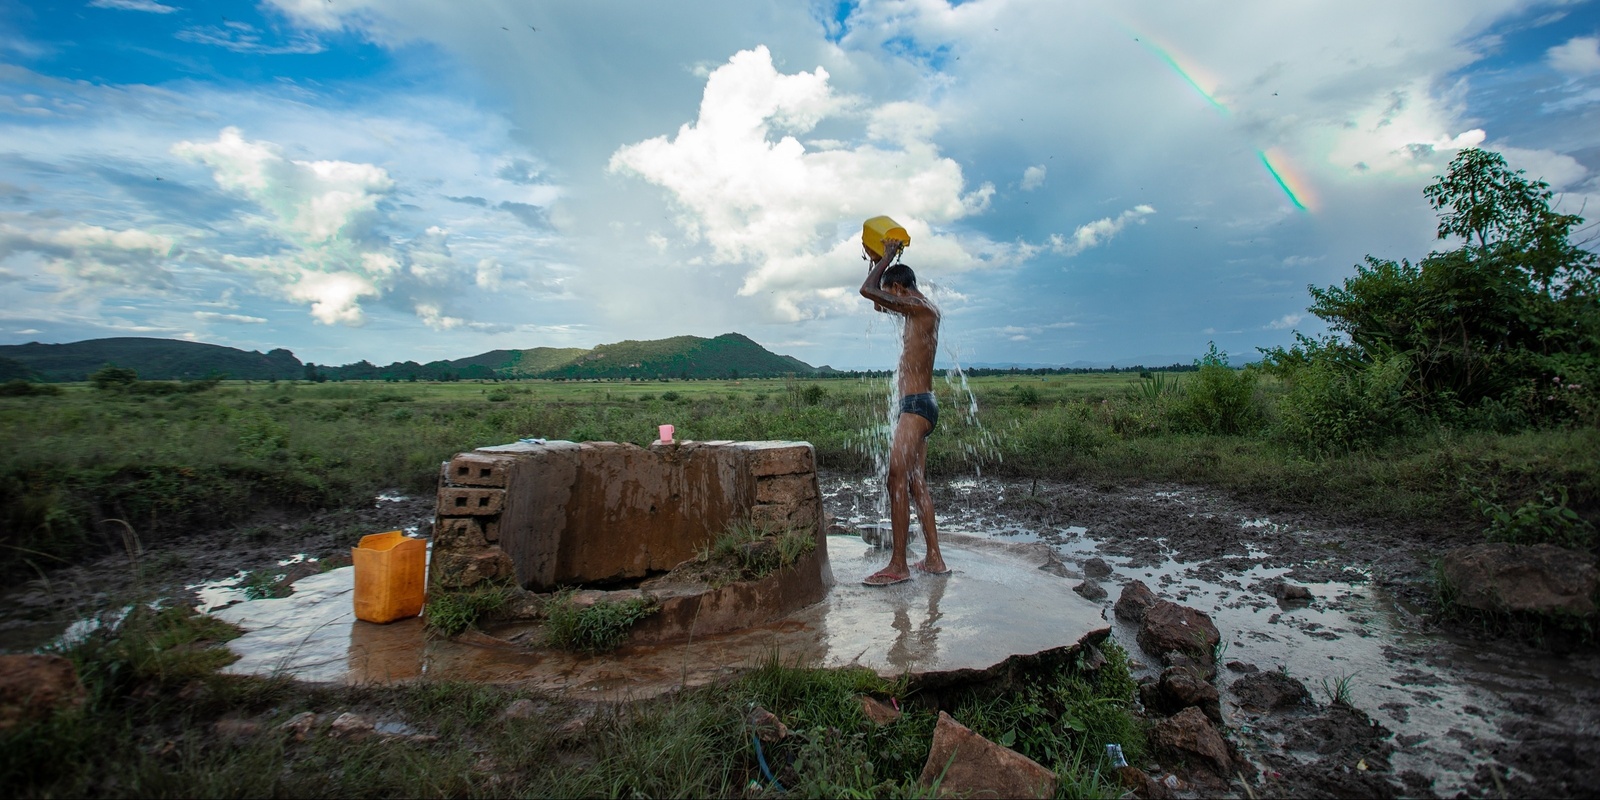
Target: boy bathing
(893,289)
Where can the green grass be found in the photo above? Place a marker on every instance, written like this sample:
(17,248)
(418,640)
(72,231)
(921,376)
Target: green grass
(176,464)
(154,699)
(453,612)
(746,552)
(599,627)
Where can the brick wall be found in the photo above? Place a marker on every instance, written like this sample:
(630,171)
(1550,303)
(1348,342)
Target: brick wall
(603,513)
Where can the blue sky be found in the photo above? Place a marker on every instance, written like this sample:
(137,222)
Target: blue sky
(417,179)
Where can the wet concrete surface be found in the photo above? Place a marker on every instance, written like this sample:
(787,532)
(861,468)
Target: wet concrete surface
(994,605)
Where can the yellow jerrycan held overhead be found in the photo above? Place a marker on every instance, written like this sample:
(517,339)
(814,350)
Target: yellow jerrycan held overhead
(391,573)
(875,230)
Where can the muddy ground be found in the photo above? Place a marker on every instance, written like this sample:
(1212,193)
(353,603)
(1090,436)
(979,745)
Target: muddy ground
(1430,710)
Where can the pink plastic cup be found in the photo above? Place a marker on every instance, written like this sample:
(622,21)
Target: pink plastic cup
(666,434)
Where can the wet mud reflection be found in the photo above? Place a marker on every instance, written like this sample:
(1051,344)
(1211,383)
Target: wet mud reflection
(996,604)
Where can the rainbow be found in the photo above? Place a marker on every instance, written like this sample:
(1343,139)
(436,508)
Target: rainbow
(1192,75)
(1293,184)
(1290,180)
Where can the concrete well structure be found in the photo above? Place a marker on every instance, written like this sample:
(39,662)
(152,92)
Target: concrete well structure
(609,516)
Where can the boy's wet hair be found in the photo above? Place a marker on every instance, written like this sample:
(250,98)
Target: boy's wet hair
(899,275)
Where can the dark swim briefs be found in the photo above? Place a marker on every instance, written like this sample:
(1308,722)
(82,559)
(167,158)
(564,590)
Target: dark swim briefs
(923,405)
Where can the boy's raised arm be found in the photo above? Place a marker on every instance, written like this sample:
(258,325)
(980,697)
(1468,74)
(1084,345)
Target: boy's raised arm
(872,287)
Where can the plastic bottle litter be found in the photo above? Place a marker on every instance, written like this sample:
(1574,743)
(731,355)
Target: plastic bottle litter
(1114,752)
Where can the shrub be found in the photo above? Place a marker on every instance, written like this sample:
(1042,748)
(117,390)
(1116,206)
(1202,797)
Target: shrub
(1218,399)
(1330,408)
(1544,520)
(18,387)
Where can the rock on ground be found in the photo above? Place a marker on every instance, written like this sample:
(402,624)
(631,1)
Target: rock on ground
(1538,578)
(1091,590)
(1168,626)
(1179,688)
(1270,691)
(1189,735)
(1135,600)
(32,686)
(972,766)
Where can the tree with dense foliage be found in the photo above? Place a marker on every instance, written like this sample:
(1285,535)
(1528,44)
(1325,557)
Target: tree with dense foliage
(1489,334)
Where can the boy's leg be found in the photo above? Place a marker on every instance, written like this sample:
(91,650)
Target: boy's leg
(933,560)
(903,457)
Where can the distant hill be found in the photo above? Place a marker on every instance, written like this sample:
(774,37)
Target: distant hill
(527,363)
(728,355)
(153,359)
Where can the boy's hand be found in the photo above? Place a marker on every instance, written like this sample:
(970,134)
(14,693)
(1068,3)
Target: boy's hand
(892,247)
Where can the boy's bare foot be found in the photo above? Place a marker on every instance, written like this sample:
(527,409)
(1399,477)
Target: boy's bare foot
(936,568)
(884,577)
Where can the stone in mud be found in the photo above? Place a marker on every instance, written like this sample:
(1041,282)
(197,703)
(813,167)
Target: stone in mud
(1270,691)
(968,765)
(877,711)
(1169,626)
(352,726)
(1135,600)
(1056,567)
(33,686)
(1243,668)
(767,726)
(1181,688)
(1190,736)
(1091,590)
(1096,568)
(299,726)
(1291,592)
(1539,578)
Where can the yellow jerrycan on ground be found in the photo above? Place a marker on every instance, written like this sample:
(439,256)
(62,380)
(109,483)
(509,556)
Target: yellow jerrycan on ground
(875,230)
(391,575)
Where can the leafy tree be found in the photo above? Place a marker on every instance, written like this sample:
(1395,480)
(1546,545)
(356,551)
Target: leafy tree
(1491,324)
(112,377)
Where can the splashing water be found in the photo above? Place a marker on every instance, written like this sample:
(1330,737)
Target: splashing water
(878,438)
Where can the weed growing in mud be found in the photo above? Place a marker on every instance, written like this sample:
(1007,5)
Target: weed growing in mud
(599,627)
(746,551)
(453,612)
(1338,690)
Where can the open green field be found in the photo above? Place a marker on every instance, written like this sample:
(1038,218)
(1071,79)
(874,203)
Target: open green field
(83,460)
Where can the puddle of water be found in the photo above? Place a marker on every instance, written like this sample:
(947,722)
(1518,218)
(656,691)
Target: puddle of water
(221,592)
(994,605)
(1352,632)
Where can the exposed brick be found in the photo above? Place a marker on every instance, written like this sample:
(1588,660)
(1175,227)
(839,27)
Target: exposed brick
(473,469)
(458,533)
(786,489)
(455,501)
(781,459)
(463,569)
(796,515)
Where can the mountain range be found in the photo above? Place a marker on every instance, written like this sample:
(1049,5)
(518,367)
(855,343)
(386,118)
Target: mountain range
(731,355)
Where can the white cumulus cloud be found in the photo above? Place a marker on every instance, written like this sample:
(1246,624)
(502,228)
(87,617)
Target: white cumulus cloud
(1285,322)
(1580,55)
(327,216)
(1033,177)
(760,198)
(1094,234)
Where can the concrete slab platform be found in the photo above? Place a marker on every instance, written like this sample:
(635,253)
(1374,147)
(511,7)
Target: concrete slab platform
(995,605)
